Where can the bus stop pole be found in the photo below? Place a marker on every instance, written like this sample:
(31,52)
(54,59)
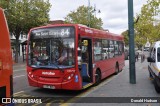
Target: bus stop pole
(132,73)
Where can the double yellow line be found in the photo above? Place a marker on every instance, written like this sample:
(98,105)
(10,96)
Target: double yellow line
(87,92)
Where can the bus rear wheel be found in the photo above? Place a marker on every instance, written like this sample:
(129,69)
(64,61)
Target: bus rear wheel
(97,77)
(116,69)
(150,76)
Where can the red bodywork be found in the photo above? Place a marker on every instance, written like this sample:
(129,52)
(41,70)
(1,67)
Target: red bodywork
(6,71)
(58,79)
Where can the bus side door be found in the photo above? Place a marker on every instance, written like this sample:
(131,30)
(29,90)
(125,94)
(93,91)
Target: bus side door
(86,59)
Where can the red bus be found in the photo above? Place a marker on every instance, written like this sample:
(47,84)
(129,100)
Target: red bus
(72,56)
(6,70)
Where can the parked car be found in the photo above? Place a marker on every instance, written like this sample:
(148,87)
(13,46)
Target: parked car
(154,65)
(146,49)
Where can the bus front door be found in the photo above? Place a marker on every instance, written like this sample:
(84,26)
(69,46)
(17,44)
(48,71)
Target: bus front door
(86,66)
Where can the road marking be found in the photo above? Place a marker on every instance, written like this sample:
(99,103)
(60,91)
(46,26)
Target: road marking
(19,70)
(18,92)
(18,76)
(87,92)
(55,101)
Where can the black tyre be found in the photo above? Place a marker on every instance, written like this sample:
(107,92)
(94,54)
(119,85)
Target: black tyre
(157,88)
(97,77)
(150,75)
(116,69)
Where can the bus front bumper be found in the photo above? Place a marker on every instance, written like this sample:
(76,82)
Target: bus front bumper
(71,84)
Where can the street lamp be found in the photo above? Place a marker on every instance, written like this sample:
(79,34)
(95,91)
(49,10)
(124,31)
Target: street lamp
(89,13)
(96,10)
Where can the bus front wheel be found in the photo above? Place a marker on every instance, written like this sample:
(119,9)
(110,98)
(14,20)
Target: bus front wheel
(97,77)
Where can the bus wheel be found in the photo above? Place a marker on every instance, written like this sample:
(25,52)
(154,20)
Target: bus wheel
(97,77)
(116,69)
(157,88)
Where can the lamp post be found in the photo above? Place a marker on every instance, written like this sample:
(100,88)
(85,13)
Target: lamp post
(89,13)
(131,43)
(96,10)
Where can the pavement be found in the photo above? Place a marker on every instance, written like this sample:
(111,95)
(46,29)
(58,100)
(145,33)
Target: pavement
(21,64)
(119,88)
(120,92)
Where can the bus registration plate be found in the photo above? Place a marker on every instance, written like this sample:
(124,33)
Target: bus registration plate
(49,86)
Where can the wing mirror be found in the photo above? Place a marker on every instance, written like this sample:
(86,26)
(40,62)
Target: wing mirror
(149,59)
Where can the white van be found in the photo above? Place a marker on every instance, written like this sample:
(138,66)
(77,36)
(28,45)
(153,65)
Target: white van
(154,64)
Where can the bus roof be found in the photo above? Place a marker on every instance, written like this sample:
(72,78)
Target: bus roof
(84,30)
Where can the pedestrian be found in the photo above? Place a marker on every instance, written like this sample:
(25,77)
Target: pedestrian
(136,56)
(142,58)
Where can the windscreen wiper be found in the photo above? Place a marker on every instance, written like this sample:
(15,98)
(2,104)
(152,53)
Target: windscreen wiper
(56,65)
(42,68)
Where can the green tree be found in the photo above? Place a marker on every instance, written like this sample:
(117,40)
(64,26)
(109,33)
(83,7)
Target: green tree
(149,23)
(81,16)
(24,14)
(126,37)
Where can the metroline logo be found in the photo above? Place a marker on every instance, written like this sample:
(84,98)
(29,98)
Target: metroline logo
(48,73)
(88,31)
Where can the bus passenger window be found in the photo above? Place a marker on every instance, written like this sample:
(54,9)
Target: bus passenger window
(105,49)
(116,50)
(98,50)
(111,49)
(120,46)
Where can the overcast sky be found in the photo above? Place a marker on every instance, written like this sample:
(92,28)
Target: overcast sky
(114,13)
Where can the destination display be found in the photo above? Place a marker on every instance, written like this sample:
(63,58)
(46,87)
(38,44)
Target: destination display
(54,32)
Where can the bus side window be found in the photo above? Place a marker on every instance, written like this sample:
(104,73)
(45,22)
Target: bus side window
(105,51)
(120,46)
(111,49)
(97,50)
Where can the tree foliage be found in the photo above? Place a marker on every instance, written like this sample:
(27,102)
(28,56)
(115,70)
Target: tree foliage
(81,16)
(24,14)
(149,23)
(126,37)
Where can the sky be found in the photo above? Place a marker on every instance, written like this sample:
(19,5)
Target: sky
(114,13)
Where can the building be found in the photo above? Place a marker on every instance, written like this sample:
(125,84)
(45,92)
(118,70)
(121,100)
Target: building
(22,39)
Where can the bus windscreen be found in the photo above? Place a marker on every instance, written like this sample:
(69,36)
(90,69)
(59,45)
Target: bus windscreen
(52,47)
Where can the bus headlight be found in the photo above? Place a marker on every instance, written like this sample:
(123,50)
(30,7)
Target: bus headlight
(68,77)
(29,73)
(32,75)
